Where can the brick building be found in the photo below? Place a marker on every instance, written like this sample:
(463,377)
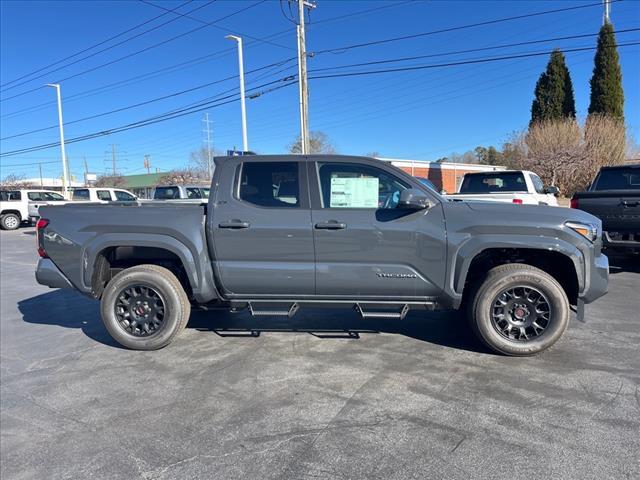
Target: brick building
(445,176)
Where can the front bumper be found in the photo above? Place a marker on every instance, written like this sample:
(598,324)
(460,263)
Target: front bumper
(48,274)
(597,283)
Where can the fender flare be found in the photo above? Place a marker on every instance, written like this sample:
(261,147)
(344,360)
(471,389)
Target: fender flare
(468,250)
(197,272)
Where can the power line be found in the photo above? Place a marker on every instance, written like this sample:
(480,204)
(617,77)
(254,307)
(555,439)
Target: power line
(91,55)
(191,17)
(93,46)
(287,81)
(158,118)
(142,50)
(200,59)
(462,62)
(147,102)
(459,27)
(472,50)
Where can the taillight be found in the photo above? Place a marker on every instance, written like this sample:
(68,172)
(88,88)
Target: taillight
(574,203)
(40,225)
(517,200)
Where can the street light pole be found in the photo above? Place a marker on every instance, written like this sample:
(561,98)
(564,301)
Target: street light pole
(65,179)
(245,142)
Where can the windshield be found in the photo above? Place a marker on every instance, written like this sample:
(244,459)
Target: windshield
(495,182)
(618,179)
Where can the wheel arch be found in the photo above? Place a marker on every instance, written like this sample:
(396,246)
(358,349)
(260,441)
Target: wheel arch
(15,212)
(561,260)
(110,253)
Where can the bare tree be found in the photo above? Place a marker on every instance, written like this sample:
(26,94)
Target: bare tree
(184,176)
(15,181)
(318,143)
(199,159)
(568,155)
(113,181)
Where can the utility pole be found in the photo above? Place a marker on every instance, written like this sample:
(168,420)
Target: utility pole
(243,107)
(302,76)
(113,158)
(147,163)
(86,170)
(207,130)
(607,11)
(65,179)
(41,182)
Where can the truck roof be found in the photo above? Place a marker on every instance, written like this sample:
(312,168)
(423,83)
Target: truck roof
(625,165)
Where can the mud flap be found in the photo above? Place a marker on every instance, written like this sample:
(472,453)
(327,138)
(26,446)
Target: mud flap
(580,311)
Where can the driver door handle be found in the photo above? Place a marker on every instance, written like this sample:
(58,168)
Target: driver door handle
(331,225)
(234,224)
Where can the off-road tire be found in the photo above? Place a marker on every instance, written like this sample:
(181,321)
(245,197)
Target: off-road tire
(176,306)
(514,275)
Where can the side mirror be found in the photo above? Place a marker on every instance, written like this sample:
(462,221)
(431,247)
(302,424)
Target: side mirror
(413,199)
(552,190)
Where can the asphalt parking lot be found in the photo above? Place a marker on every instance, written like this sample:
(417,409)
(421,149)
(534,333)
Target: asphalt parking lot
(324,395)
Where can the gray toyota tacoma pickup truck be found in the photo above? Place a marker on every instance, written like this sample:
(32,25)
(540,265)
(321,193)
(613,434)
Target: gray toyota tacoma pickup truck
(284,232)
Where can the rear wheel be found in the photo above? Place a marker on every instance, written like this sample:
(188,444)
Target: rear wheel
(519,310)
(145,307)
(10,221)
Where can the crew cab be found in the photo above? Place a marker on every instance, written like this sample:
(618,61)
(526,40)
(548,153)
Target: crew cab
(284,232)
(102,195)
(510,186)
(193,193)
(614,197)
(18,206)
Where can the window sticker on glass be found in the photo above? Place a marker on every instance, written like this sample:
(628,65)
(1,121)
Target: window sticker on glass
(354,192)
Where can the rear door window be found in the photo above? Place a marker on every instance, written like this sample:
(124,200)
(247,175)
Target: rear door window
(81,194)
(270,184)
(166,193)
(193,193)
(122,196)
(104,195)
(34,196)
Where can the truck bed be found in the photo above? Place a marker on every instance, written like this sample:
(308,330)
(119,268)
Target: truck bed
(88,230)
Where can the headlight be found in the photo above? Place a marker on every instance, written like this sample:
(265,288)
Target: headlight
(587,230)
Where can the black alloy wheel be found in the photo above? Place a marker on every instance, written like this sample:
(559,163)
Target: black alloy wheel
(140,310)
(521,313)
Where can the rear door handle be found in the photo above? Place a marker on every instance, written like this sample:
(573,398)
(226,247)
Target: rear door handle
(235,224)
(629,204)
(331,225)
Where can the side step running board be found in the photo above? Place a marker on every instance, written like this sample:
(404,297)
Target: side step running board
(256,311)
(396,314)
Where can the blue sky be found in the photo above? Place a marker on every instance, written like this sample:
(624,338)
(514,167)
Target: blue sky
(420,114)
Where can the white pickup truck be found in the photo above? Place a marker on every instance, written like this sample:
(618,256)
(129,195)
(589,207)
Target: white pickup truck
(509,186)
(17,206)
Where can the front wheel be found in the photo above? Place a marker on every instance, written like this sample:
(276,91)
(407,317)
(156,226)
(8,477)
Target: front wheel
(519,310)
(144,307)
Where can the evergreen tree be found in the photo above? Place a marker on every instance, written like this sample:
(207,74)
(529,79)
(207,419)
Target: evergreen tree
(554,92)
(607,97)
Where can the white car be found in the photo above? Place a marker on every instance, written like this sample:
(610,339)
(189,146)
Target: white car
(17,206)
(509,186)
